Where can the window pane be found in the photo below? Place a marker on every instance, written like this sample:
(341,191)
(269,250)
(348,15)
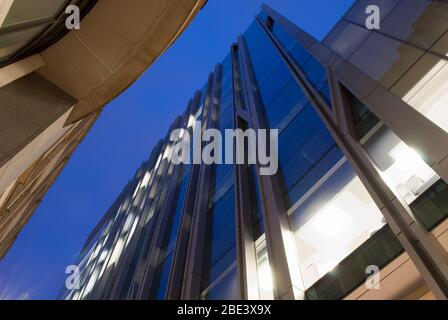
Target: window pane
(161,279)
(225,289)
(308,143)
(379,250)
(264,273)
(332,222)
(363,119)
(432,207)
(402,167)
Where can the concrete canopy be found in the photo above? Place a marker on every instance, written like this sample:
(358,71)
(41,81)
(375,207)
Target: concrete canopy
(116,43)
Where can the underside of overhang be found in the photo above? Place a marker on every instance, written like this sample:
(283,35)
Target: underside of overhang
(117,41)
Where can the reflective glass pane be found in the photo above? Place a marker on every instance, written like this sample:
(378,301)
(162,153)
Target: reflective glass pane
(402,167)
(225,289)
(333,221)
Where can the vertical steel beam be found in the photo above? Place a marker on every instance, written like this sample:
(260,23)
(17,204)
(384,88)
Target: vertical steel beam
(245,242)
(176,276)
(424,250)
(193,268)
(286,274)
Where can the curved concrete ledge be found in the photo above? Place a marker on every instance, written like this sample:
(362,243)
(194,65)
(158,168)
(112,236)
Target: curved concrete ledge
(116,43)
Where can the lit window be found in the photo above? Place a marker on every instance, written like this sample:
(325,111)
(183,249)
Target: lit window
(136,190)
(145,180)
(332,222)
(401,166)
(265,286)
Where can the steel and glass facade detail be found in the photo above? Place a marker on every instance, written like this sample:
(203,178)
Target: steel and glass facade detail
(358,184)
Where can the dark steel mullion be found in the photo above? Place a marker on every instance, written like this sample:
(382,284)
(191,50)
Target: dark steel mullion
(153,246)
(126,260)
(193,269)
(287,281)
(424,250)
(431,140)
(139,199)
(158,213)
(98,290)
(158,184)
(108,240)
(176,275)
(245,242)
(166,215)
(115,207)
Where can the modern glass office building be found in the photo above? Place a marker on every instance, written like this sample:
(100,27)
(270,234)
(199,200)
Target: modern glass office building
(362,180)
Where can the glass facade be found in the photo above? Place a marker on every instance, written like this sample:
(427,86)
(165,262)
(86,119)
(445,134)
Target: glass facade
(198,231)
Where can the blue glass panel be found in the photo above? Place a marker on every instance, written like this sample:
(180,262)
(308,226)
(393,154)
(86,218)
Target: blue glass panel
(221,265)
(226,289)
(161,279)
(274,83)
(301,145)
(290,101)
(299,54)
(314,71)
(253,32)
(314,174)
(325,92)
(255,202)
(220,235)
(282,36)
(173,227)
(263,16)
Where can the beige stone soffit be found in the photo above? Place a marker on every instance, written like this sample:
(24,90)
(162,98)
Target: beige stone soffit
(5,5)
(101,60)
(19,69)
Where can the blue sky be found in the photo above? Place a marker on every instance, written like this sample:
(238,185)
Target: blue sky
(124,135)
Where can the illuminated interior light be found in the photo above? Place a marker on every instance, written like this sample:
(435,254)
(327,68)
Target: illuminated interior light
(265,277)
(158,162)
(103,255)
(134,226)
(191,121)
(328,266)
(146,179)
(331,221)
(405,156)
(136,190)
(128,222)
(167,153)
(181,134)
(264,272)
(117,251)
(409,173)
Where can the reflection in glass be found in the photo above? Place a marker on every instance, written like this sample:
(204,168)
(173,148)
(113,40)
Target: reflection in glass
(401,166)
